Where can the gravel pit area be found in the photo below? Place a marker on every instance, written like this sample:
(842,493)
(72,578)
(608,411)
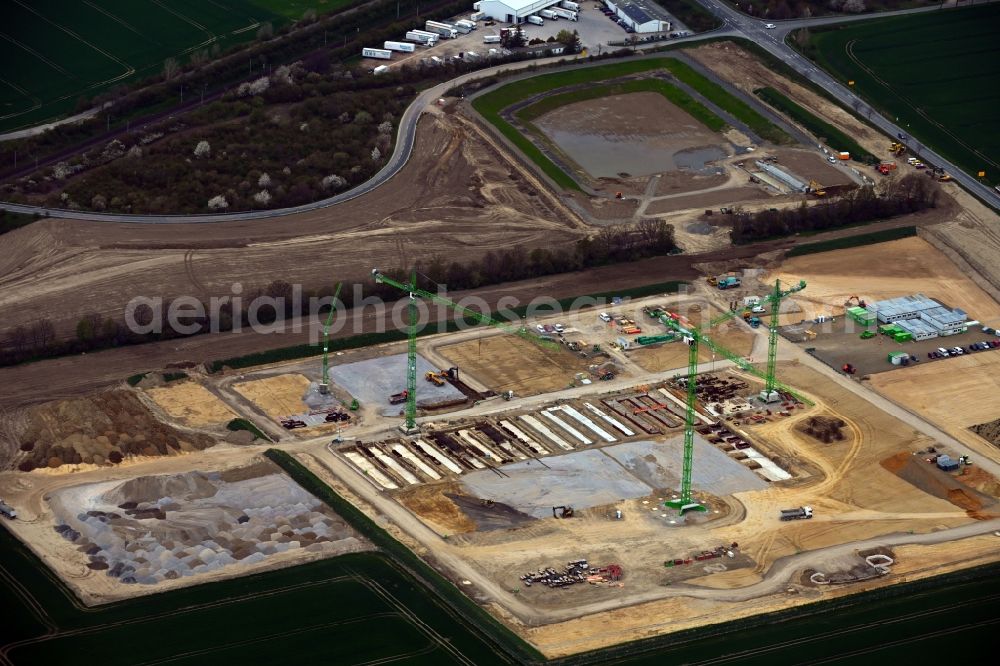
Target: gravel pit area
(152,529)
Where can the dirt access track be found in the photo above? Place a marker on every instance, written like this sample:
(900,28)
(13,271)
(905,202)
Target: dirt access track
(459,196)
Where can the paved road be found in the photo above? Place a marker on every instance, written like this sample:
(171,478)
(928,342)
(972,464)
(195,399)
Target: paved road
(735,24)
(774,42)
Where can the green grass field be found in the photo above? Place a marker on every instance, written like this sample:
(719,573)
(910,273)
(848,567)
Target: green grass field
(938,73)
(492,103)
(52,52)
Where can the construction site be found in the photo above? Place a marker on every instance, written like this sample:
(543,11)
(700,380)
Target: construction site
(771,432)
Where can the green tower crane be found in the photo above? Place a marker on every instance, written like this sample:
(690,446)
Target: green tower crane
(694,338)
(324,385)
(410,424)
(769,394)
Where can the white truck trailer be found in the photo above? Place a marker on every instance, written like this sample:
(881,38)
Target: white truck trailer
(536,20)
(491,39)
(471,25)
(462,28)
(424,37)
(402,47)
(548,14)
(567,14)
(446,30)
(478,16)
(568,4)
(381,54)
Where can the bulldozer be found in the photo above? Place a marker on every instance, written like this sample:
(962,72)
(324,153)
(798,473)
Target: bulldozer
(896,148)
(435,378)
(562,512)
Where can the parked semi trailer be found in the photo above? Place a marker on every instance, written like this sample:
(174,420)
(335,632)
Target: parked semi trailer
(567,4)
(403,47)
(548,14)
(491,39)
(536,20)
(471,25)
(567,14)
(424,37)
(801,513)
(446,30)
(381,54)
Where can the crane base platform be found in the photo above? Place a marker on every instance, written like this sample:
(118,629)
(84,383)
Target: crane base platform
(683,506)
(415,430)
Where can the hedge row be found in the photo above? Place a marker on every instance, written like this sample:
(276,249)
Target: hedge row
(244,424)
(820,128)
(853,241)
(492,631)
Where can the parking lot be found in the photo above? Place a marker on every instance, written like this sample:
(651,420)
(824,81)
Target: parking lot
(595,29)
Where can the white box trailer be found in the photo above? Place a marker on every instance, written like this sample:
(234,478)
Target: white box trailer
(402,47)
(428,38)
(567,14)
(446,30)
(478,16)
(381,54)
(491,39)
(548,14)
(476,6)
(462,28)
(471,25)
(567,4)
(381,69)
(536,20)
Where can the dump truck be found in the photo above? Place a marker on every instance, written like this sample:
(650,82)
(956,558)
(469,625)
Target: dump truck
(801,513)
(446,30)
(398,398)
(885,167)
(7,511)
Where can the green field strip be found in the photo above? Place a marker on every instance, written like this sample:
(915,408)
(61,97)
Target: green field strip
(94,27)
(294,9)
(944,65)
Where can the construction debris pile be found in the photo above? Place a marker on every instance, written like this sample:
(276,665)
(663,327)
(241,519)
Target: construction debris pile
(577,571)
(824,428)
(720,551)
(155,528)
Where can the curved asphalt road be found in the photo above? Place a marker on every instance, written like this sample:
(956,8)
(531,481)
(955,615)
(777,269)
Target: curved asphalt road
(735,24)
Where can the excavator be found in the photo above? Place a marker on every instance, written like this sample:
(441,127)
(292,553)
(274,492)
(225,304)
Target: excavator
(897,149)
(854,300)
(816,189)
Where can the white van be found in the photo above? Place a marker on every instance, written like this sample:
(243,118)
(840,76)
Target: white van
(604,316)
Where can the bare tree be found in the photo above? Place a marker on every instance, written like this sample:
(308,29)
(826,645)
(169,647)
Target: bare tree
(170,68)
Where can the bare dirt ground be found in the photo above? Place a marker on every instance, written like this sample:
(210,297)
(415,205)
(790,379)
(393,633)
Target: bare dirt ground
(965,395)
(279,396)
(731,335)
(748,73)
(84,432)
(511,363)
(972,243)
(458,196)
(643,121)
(702,200)
(880,271)
(810,165)
(191,404)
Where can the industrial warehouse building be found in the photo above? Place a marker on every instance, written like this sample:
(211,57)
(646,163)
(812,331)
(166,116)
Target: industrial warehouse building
(513,11)
(919,316)
(640,15)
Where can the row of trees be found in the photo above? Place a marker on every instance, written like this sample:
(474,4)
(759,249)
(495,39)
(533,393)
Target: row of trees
(909,194)
(616,243)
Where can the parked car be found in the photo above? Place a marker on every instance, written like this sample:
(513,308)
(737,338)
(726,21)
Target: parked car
(559,328)
(932,354)
(539,328)
(769,26)
(957,351)
(943,352)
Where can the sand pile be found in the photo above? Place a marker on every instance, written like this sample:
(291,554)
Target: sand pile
(157,528)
